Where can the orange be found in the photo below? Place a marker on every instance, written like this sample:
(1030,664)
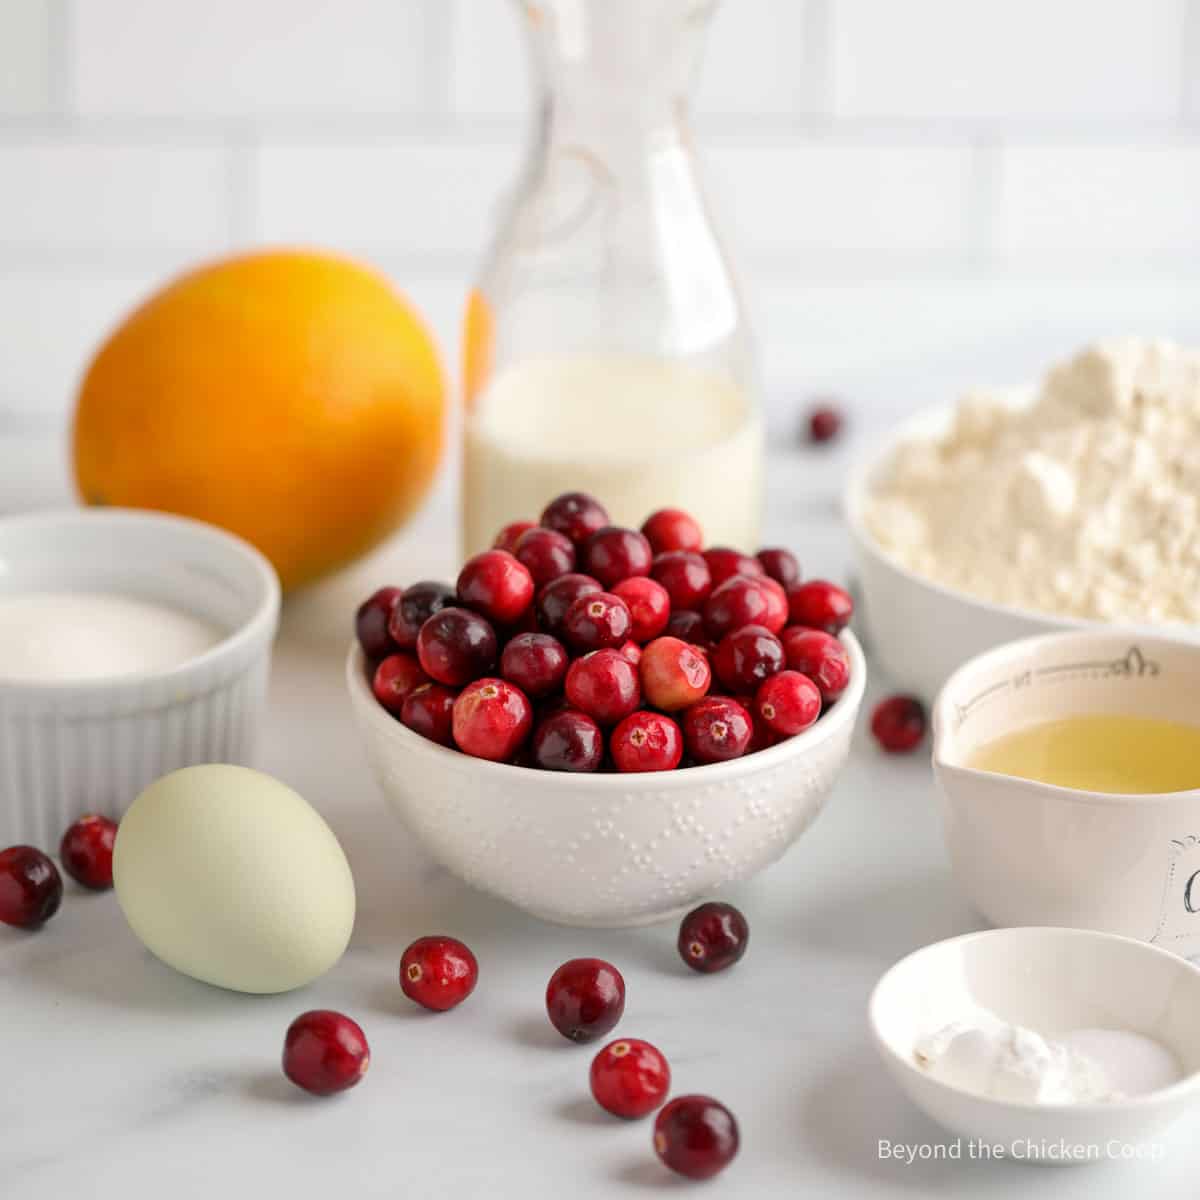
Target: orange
(292,397)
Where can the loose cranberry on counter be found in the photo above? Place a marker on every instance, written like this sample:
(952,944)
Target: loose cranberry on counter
(597,621)
(535,662)
(605,685)
(429,710)
(646,741)
(630,1078)
(724,563)
(439,973)
(575,514)
(395,678)
(713,937)
(820,656)
(780,565)
(696,1136)
(86,851)
(415,607)
(820,604)
(688,626)
(585,999)
(614,554)
(556,598)
(674,673)
(371,622)
(716,729)
(30,887)
(325,1052)
(736,602)
(495,584)
(508,537)
(824,424)
(686,577)
(546,554)
(568,741)
(491,719)
(457,645)
(672,529)
(649,605)
(898,724)
(747,656)
(789,703)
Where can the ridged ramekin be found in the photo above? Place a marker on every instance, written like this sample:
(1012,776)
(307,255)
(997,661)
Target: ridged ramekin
(71,748)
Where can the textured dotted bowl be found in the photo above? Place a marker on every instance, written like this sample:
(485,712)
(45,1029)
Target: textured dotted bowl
(605,850)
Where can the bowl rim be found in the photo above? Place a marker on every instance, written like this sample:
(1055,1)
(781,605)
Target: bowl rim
(843,713)
(260,625)
(1188,1085)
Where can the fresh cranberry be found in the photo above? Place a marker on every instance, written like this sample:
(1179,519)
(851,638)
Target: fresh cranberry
(597,621)
(820,604)
(788,702)
(696,1136)
(674,673)
(632,651)
(649,605)
(613,554)
(371,622)
(724,563)
(456,645)
(439,973)
(777,612)
(824,423)
(898,724)
(820,656)
(535,662)
(604,684)
(763,737)
(429,710)
(546,554)
(688,626)
(556,598)
(492,719)
(576,514)
(736,602)
(780,565)
(325,1052)
(630,1078)
(747,656)
(646,741)
(585,999)
(415,607)
(30,887)
(568,741)
(86,851)
(685,575)
(508,537)
(496,584)
(713,937)
(716,729)
(395,677)
(672,529)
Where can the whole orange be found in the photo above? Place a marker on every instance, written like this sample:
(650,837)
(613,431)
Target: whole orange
(292,397)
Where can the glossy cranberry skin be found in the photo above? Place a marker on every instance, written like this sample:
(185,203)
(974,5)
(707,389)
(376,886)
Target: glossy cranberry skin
(672,529)
(674,673)
(508,537)
(632,651)
(630,1078)
(457,645)
(646,741)
(614,554)
(713,937)
(685,575)
(86,851)
(789,703)
(439,973)
(687,626)
(747,656)
(898,724)
(30,887)
(777,612)
(716,729)
(597,621)
(820,656)
(415,607)
(325,1052)
(824,424)
(724,563)
(546,554)
(554,600)
(491,719)
(604,684)
(696,1136)
(736,602)
(395,678)
(780,565)
(429,710)
(371,622)
(648,604)
(585,999)
(820,604)
(535,662)
(575,514)
(568,741)
(495,584)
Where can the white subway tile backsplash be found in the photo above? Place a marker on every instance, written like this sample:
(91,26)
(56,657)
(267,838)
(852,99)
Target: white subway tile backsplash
(25,56)
(490,75)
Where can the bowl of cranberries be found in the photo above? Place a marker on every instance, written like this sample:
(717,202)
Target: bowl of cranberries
(600,724)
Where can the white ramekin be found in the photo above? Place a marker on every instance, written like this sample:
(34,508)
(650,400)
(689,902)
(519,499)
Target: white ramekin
(71,748)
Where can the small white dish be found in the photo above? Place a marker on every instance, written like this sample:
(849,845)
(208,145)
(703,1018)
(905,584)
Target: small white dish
(1052,981)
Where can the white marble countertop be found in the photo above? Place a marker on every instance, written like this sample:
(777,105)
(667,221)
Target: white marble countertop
(122,1079)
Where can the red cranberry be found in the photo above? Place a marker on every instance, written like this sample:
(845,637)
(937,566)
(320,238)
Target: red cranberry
(685,575)
(558,595)
(824,423)
(780,565)
(395,678)
(646,741)
(820,656)
(439,973)
(429,711)
(325,1052)
(415,607)
(713,937)
(630,1078)
(788,702)
(492,719)
(535,662)
(568,741)
(776,615)
(724,563)
(604,684)
(688,626)
(736,602)
(716,729)
(30,887)
(597,621)
(585,999)
(674,673)
(695,1136)
(508,537)
(820,604)
(497,585)
(898,724)
(747,656)
(86,851)
(456,645)
(672,529)
(649,605)
(614,554)
(576,514)
(632,651)
(371,622)
(546,554)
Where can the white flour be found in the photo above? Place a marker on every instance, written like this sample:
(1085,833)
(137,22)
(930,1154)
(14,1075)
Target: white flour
(1083,501)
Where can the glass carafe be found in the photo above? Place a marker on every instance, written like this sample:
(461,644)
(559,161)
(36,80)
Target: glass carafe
(605,344)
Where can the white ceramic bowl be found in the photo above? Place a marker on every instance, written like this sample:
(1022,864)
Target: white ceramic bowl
(92,746)
(1028,853)
(1051,981)
(605,850)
